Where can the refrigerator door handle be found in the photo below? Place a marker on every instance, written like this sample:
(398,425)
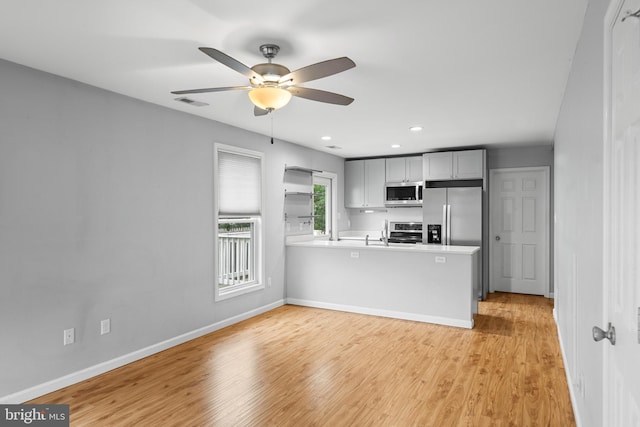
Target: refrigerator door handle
(448,224)
(444,237)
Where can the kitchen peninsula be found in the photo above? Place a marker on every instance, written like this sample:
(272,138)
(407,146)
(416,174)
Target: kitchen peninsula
(426,283)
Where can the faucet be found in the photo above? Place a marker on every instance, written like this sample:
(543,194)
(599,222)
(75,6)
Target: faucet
(385,233)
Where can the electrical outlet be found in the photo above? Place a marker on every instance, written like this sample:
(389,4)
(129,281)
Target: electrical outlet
(268,282)
(69,336)
(355,254)
(105,326)
(441,259)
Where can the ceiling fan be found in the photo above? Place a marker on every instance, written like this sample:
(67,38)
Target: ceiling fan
(272,85)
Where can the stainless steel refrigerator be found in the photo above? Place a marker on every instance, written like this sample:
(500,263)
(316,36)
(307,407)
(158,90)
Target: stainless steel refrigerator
(453,216)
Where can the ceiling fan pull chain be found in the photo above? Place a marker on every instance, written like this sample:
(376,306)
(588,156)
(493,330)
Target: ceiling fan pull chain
(271,129)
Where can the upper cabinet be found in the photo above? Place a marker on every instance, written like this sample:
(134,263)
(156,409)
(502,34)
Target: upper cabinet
(364,183)
(437,166)
(404,169)
(468,164)
(453,165)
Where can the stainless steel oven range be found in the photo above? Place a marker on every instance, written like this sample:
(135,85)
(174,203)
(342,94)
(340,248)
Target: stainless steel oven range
(405,232)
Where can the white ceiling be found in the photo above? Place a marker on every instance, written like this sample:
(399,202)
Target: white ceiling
(470,72)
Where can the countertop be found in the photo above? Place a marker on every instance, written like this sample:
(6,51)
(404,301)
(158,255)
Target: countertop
(396,247)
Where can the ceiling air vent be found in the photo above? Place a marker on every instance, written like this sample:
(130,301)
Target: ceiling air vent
(191,102)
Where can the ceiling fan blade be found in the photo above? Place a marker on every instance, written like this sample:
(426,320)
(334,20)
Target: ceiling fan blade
(319,70)
(257,111)
(211,89)
(320,95)
(232,63)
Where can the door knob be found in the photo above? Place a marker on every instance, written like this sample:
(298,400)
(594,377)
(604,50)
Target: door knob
(497,238)
(610,334)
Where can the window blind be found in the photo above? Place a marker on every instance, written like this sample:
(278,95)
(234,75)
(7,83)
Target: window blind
(239,183)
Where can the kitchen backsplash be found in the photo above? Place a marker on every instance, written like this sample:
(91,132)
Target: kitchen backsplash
(374,220)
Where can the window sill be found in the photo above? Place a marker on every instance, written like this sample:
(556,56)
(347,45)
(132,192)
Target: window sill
(237,291)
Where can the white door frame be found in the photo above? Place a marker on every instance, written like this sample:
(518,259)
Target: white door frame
(492,173)
(333,177)
(609,21)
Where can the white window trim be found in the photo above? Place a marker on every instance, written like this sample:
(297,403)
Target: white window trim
(258,283)
(334,204)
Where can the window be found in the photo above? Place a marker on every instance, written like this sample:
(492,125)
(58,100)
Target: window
(324,202)
(320,210)
(236,249)
(238,174)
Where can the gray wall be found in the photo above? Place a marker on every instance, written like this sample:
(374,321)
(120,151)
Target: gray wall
(521,157)
(579,221)
(106,212)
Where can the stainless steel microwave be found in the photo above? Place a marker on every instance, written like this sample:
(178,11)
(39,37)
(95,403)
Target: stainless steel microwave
(397,194)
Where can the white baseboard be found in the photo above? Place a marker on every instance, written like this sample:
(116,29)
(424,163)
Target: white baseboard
(383,313)
(567,372)
(92,371)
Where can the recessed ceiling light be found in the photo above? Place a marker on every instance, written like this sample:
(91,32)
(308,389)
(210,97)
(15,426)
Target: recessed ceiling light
(395,146)
(326,138)
(415,128)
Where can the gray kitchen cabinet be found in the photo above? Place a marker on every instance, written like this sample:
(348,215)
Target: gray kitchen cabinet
(354,183)
(438,166)
(364,183)
(404,169)
(468,164)
(448,165)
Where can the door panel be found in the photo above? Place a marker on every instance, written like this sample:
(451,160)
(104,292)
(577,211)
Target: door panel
(508,208)
(622,232)
(529,262)
(529,210)
(519,230)
(507,250)
(466,215)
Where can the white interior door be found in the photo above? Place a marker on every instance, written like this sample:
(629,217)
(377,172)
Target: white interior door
(519,230)
(621,216)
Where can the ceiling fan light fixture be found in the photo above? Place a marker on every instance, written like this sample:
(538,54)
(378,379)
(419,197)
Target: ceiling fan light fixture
(269,98)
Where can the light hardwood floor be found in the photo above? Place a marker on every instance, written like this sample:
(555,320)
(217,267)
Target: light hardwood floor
(298,366)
